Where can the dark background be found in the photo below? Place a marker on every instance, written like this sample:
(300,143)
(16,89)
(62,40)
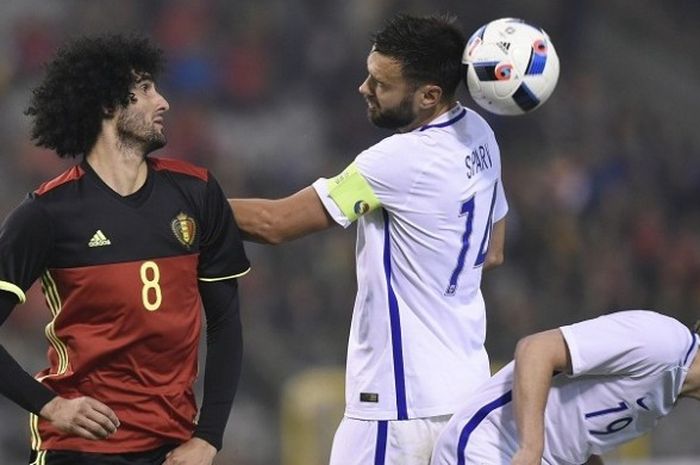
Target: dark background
(602,181)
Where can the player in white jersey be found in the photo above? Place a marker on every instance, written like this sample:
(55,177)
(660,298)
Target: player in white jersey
(430,208)
(614,377)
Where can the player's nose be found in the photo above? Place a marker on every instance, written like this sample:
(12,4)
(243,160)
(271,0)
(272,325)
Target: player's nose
(364,87)
(162,104)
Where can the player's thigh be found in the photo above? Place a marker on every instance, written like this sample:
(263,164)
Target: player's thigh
(371,442)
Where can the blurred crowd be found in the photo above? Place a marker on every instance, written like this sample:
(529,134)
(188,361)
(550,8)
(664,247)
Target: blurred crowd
(602,181)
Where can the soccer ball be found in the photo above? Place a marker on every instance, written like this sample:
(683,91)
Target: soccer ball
(512,67)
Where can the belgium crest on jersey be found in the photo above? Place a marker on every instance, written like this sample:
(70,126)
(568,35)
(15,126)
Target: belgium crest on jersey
(185,229)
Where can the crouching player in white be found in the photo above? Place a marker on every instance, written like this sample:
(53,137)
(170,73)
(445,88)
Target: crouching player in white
(575,392)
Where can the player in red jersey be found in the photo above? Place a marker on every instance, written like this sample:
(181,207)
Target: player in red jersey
(128,249)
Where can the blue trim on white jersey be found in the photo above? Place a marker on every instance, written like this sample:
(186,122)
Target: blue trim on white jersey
(380,449)
(483,247)
(641,403)
(446,123)
(690,349)
(475,420)
(395,320)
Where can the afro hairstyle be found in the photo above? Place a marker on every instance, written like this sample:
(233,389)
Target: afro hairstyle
(86,81)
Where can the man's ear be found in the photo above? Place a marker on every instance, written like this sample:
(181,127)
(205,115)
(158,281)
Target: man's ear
(430,95)
(108,113)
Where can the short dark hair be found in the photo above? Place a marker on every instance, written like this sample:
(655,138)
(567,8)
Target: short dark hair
(429,49)
(87,77)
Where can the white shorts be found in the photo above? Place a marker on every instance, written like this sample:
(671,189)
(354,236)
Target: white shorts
(386,442)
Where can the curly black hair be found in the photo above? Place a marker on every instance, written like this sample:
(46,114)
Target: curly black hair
(88,79)
(429,49)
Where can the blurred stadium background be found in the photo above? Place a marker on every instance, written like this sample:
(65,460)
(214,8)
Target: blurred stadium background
(603,181)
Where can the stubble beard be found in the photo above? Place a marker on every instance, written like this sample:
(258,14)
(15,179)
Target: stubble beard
(135,134)
(393,118)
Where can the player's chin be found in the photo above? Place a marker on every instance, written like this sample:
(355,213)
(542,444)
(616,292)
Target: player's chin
(155,142)
(374,114)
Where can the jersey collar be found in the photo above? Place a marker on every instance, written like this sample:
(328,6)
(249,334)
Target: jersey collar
(134,200)
(456,113)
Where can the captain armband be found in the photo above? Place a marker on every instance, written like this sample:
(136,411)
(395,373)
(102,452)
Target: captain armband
(352,193)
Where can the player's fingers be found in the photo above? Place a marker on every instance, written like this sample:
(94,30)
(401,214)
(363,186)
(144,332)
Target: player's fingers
(96,428)
(102,420)
(105,411)
(82,432)
(88,416)
(104,423)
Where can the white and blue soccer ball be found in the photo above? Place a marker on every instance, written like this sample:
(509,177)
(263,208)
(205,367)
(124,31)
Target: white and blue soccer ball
(512,67)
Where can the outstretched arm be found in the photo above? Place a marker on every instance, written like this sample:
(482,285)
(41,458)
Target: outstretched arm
(537,357)
(282,220)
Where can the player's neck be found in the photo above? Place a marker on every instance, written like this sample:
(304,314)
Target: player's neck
(429,115)
(123,169)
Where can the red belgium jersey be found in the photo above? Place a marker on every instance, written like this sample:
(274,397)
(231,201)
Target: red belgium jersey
(120,276)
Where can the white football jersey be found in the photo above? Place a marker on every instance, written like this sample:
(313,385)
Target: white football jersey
(425,202)
(627,372)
